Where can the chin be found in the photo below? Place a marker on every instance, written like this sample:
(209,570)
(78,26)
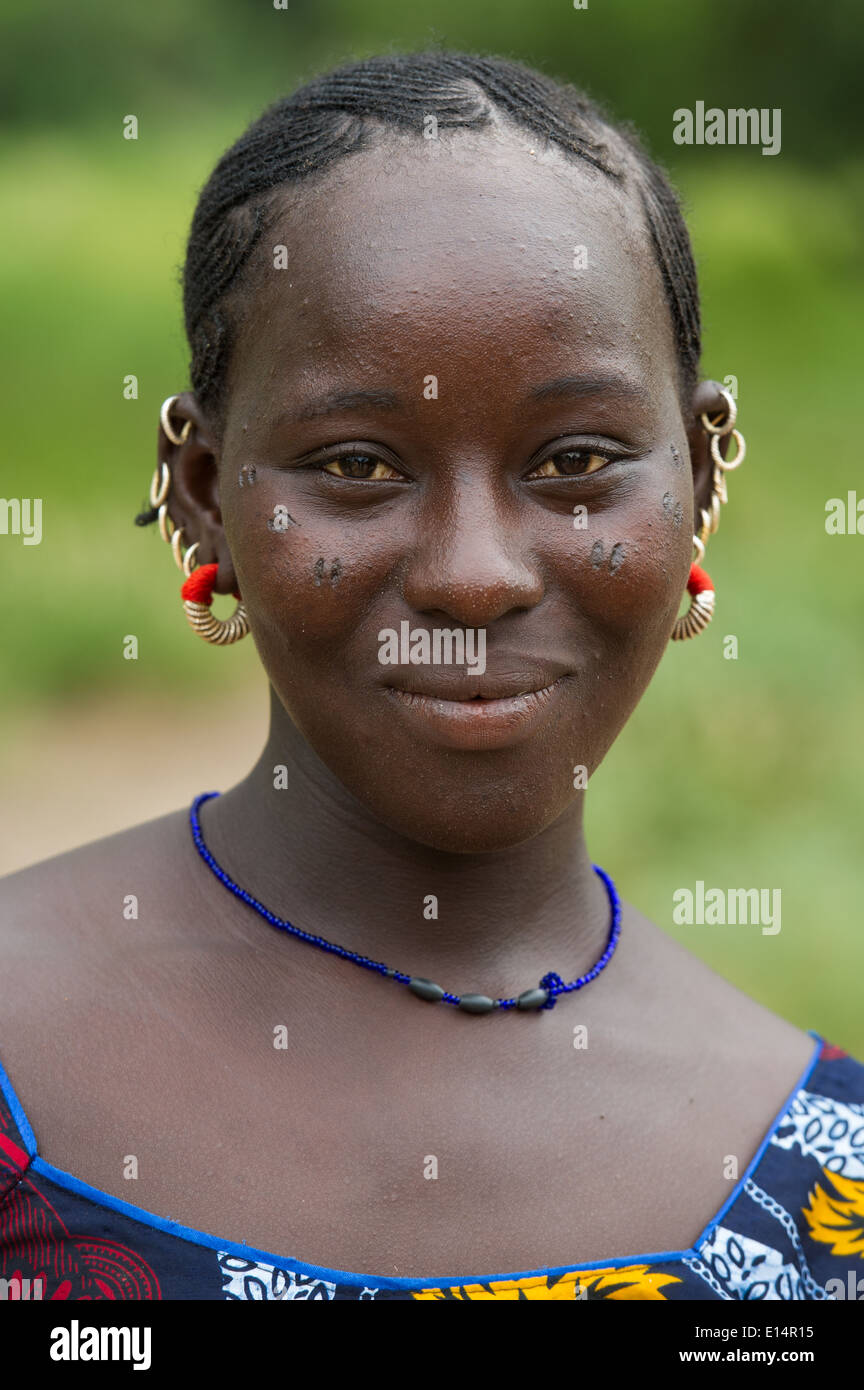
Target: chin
(482,822)
(454,801)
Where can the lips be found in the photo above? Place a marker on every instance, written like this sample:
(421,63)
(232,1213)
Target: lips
(445,685)
(478,714)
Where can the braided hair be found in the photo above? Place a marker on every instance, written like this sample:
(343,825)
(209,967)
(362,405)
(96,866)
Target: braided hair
(343,112)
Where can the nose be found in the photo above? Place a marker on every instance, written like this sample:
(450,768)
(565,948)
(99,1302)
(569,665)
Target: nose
(471,559)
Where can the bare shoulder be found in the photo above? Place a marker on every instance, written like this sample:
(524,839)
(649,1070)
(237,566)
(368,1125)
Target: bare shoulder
(720,1027)
(70,927)
(62,904)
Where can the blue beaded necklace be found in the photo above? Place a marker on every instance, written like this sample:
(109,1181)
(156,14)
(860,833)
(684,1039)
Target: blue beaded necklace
(543,997)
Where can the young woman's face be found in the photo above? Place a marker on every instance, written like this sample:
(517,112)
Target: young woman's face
(458,399)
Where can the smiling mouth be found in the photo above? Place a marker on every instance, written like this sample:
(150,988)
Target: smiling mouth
(412,695)
(477,721)
(489,687)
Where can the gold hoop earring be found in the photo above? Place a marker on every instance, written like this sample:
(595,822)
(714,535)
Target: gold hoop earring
(165,421)
(728,464)
(160,484)
(718,429)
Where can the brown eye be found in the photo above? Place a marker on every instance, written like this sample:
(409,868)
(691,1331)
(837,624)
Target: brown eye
(362,467)
(570,463)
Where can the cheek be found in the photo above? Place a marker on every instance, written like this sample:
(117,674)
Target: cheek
(629,566)
(312,583)
(305,578)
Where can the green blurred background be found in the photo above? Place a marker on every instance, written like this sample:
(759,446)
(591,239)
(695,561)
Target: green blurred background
(741,773)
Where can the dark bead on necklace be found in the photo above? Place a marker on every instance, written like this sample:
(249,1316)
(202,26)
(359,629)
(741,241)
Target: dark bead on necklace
(425,989)
(476,1003)
(532,999)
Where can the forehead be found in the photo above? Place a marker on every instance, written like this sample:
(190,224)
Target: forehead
(473,249)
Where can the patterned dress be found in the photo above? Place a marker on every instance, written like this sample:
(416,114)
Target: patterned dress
(791,1228)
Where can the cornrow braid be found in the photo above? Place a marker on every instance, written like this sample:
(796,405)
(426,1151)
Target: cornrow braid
(343,112)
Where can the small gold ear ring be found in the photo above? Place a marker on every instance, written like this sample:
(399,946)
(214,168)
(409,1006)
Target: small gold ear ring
(176,542)
(188,557)
(164,519)
(719,427)
(701,537)
(165,421)
(160,484)
(723,423)
(184,563)
(727,464)
(159,488)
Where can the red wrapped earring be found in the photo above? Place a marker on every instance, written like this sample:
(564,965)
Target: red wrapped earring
(197,596)
(700,587)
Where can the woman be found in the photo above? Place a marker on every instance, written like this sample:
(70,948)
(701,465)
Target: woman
(447,439)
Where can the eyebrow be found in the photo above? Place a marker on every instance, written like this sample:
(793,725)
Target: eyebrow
(335,402)
(576,386)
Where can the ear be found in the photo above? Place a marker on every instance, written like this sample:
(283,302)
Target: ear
(707,399)
(193,497)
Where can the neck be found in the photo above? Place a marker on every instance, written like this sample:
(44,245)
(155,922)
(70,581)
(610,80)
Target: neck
(313,854)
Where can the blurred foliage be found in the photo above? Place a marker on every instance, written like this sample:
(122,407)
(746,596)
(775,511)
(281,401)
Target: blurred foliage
(168,63)
(756,762)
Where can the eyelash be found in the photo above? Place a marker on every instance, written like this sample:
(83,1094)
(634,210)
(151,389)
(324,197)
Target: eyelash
(589,451)
(321,465)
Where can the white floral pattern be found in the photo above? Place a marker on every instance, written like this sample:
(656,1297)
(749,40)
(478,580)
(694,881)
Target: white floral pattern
(828,1130)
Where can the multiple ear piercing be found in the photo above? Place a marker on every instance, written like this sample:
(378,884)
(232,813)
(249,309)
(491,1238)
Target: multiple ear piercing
(699,585)
(197,589)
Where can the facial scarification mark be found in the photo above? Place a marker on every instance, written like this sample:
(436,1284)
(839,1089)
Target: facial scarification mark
(678,515)
(668,503)
(676,457)
(616,557)
(335,570)
(597,554)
